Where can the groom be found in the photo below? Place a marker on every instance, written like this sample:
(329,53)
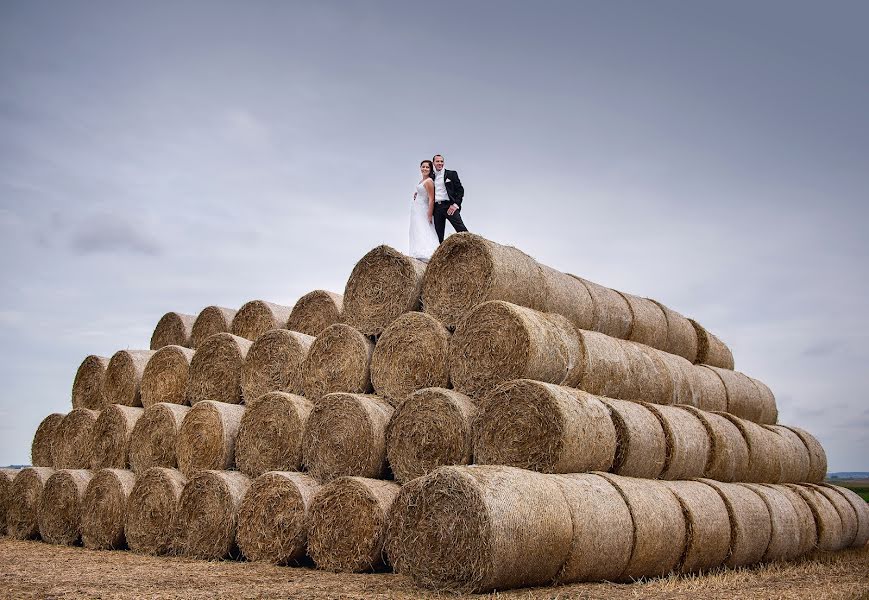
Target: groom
(448,192)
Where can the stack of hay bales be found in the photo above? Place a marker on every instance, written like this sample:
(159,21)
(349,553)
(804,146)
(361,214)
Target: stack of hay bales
(474,423)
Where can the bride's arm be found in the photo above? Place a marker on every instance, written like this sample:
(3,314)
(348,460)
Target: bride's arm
(429,187)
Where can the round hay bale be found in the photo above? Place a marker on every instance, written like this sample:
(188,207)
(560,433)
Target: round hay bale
(206,439)
(565,295)
(274,362)
(603,367)
(611,312)
(687,442)
(681,337)
(728,450)
(710,349)
(270,434)
(764,451)
(215,370)
(807,533)
(103,509)
(708,526)
(768,408)
(544,427)
(87,387)
(43,440)
(206,519)
(498,342)
(384,285)
(649,324)
(152,443)
(710,390)
(110,437)
(681,376)
(784,541)
(817,456)
(660,528)
(348,524)
(339,360)
(7,476)
(315,311)
(847,514)
(71,443)
(165,376)
(478,528)
(211,320)
(150,510)
(273,518)
(743,397)
(256,317)
(411,354)
(431,428)
(861,510)
(22,517)
(828,524)
(346,435)
(122,383)
(60,506)
(173,329)
(648,377)
(603,530)
(641,446)
(795,458)
(750,525)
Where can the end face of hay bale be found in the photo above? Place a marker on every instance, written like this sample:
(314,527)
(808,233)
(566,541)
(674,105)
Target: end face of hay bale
(7,476)
(641,446)
(348,524)
(206,440)
(270,434)
(274,362)
(687,442)
(152,442)
(110,437)
(72,440)
(103,509)
(681,336)
(211,320)
(165,376)
(710,349)
(273,518)
(750,524)
(150,510)
(173,329)
(339,360)
(22,517)
(708,525)
(122,383)
(612,313)
(256,317)
(412,354)
(60,506)
(43,440)
(87,387)
(315,311)
(215,370)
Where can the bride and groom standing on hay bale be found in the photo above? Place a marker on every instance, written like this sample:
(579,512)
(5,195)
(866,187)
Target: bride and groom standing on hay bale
(437,199)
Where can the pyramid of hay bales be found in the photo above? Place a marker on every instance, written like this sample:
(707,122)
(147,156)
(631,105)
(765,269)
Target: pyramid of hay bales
(479,422)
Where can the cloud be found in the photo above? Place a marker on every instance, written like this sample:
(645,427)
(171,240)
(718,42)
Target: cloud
(111,233)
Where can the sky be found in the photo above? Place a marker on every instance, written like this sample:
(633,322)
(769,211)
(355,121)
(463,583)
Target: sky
(171,155)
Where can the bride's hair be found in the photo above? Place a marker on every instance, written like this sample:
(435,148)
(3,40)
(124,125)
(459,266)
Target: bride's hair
(430,164)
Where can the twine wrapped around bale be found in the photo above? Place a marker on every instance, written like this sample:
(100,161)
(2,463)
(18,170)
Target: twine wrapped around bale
(383,285)
(87,387)
(165,376)
(766,399)
(611,312)
(783,543)
(103,509)
(411,354)
(431,428)
(215,371)
(7,476)
(274,362)
(348,520)
(110,437)
(43,440)
(206,439)
(346,435)
(22,517)
(817,456)
(641,446)
(205,522)
(847,514)
(743,397)
(710,349)
(152,443)
(687,442)
(150,510)
(649,324)
(315,311)
(70,447)
(273,518)
(256,317)
(122,384)
(764,451)
(861,510)
(173,329)
(807,533)
(681,336)
(211,320)
(708,526)
(544,427)
(795,460)
(270,434)
(478,528)
(710,390)
(728,450)
(828,524)
(60,506)
(339,360)
(750,525)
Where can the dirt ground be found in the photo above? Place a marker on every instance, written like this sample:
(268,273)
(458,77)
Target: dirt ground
(40,570)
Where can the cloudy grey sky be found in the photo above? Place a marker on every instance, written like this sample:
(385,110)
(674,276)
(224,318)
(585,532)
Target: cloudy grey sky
(167,156)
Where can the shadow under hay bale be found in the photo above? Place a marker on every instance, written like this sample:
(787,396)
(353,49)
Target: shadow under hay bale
(708,526)
(728,450)
(861,511)
(87,387)
(60,506)
(270,434)
(641,446)
(687,442)
(274,362)
(817,455)
(122,384)
(783,543)
(150,510)
(173,329)
(315,311)
(103,509)
(256,317)
(215,370)
(211,320)
(7,476)
(273,518)
(750,525)
(152,442)
(348,520)
(110,437)
(339,360)
(710,349)
(43,440)
(165,376)
(681,336)
(206,439)
(795,459)
(710,390)
(72,439)
(432,428)
(649,324)
(764,451)
(22,517)
(806,532)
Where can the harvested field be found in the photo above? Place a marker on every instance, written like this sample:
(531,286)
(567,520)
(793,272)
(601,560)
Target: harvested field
(273,363)
(87,387)
(165,376)
(206,440)
(152,443)
(256,317)
(215,370)
(270,434)
(173,329)
(110,437)
(339,360)
(70,448)
(211,320)
(122,383)
(315,311)
(150,510)
(60,506)
(43,440)
(22,518)
(103,509)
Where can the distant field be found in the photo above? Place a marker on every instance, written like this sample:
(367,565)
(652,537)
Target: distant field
(861,486)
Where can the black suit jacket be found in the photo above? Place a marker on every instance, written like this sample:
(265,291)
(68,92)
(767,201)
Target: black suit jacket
(454,187)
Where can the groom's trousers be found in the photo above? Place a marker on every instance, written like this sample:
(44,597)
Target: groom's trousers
(441,217)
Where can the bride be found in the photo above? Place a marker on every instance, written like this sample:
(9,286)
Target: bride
(423,238)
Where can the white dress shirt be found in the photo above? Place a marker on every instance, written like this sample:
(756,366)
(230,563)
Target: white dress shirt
(440,187)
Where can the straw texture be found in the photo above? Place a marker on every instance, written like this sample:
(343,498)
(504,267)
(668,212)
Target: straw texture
(110,437)
(151,509)
(728,450)
(72,440)
(649,324)
(7,476)
(256,317)
(206,439)
(22,517)
(766,399)
(211,320)
(687,442)
(708,525)
(764,451)
(710,349)
(103,509)
(165,376)
(806,533)
(817,455)
(861,511)
(847,514)
(641,446)
(784,540)
(828,524)
(611,312)
(122,383)
(60,506)
(173,329)
(681,336)
(315,311)
(152,443)
(339,360)
(87,387)
(743,396)
(795,462)
(43,440)
(206,520)
(273,363)
(712,395)
(270,434)
(215,370)
(750,525)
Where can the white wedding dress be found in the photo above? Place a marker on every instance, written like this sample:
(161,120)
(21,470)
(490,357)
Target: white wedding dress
(423,238)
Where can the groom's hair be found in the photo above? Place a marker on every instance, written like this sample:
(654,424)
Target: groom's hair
(436,155)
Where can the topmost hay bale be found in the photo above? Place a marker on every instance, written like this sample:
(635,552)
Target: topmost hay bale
(681,336)
(384,284)
(211,320)
(817,456)
(173,329)
(274,363)
(649,324)
(87,388)
(612,313)
(7,476)
(43,440)
(710,349)
(122,384)
(256,317)
(215,370)
(315,311)
(22,517)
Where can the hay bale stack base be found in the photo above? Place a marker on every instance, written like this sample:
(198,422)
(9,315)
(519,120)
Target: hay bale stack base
(315,311)
(784,540)
(173,329)
(43,441)
(87,387)
(708,525)
(211,320)
(750,525)
(339,360)
(7,476)
(270,434)
(122,383)
(22,518)
(110,437)
(206,440)
(72,440)
(274,362)
(152,443)
(150,510)
(641,446)
(60,506)
(215,370)
(687,442)
(103,509)
(165,376)
(256,317)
